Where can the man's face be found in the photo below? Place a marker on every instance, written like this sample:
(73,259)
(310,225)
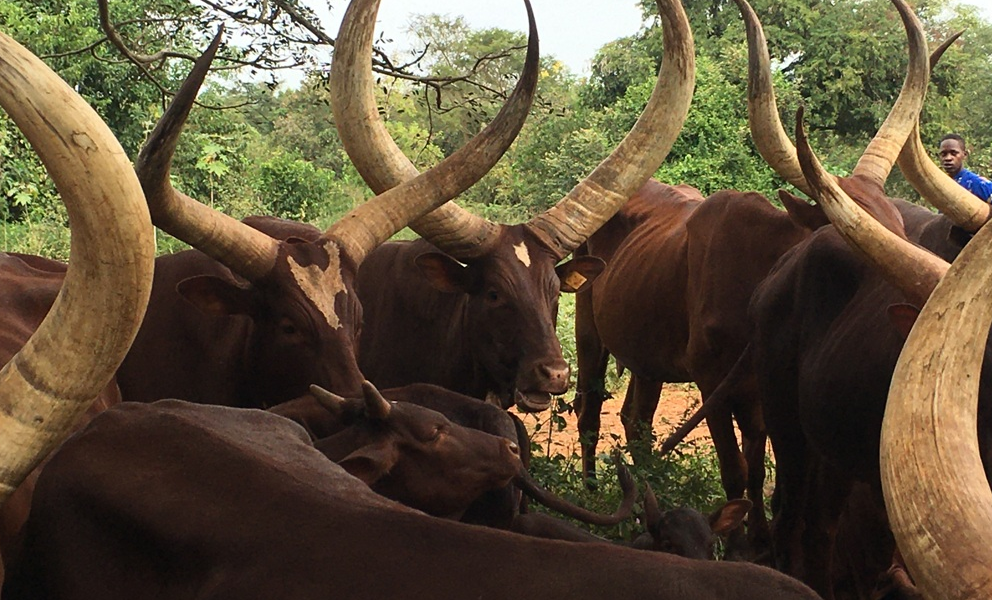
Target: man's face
(952,154)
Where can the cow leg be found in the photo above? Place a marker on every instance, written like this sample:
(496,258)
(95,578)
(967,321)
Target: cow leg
(590,387)
(637,415)
(753,440)
(824,507)
(791,465)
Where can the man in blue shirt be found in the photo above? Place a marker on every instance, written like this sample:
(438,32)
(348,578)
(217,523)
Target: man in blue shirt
(952,154)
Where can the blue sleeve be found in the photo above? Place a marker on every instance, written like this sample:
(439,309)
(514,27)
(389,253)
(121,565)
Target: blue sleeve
(982,188)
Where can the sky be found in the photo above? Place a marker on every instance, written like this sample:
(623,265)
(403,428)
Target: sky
(571,30)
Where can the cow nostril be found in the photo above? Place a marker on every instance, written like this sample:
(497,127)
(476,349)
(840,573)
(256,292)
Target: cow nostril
(554,373)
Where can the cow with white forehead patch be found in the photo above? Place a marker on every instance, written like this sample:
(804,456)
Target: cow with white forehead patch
(472,306)
(248,319)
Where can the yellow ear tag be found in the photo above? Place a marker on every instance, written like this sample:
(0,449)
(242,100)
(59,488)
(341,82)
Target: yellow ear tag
(575,280)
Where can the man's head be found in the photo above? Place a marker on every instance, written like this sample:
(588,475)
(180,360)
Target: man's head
(952,153)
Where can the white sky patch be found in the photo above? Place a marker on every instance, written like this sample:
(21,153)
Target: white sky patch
(322,287)
(522,255)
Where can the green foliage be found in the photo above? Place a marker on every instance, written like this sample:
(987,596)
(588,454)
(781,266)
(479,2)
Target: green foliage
(689,476)
(294,189)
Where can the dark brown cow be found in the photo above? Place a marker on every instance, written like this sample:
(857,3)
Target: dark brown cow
(64,331)
(824,347)
(251,320)
(472,307)
(30,285)
(177,500)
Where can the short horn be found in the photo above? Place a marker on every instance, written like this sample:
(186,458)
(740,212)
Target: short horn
(77,348)
(244,250)
(880,156)
(937,496)
(377,220)
(600,195)
(376,407)
(767,132)
(962,207)
(377,157)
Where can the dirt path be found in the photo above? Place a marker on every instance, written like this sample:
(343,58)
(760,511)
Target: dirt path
(678,400)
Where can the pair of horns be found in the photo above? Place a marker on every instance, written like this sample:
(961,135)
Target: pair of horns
(251,253)
(576,216)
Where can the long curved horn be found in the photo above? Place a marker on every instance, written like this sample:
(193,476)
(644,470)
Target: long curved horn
(907,266)
(936,493)
(766,128)
(880,156)
(246,251)
(374,153)
(600,195)
(75,351)
(372,223)
(962,207)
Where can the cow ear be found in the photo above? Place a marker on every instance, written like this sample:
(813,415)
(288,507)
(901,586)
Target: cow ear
(370,463)
(729,516)
(579,273)
(446,274)
(902,317)
(216,296)
(804,214)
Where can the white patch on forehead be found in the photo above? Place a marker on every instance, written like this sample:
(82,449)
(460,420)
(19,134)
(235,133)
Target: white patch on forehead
(522,255)
(322,287)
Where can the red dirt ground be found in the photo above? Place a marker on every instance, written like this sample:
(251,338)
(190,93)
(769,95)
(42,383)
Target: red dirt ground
(678,400)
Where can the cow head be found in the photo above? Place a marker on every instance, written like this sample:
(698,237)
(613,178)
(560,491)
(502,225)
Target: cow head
(510,273)
(415,455)
(299,292)
(685,531)
(511,308)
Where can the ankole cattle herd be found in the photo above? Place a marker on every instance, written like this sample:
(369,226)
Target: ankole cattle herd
(286,412)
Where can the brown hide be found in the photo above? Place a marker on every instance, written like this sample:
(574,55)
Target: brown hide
(241,344)
(825,351)
(248,345)
(485,329)
(30,285)
(672,306)
(416,456)
(178,500)
(489,333)
(496,508)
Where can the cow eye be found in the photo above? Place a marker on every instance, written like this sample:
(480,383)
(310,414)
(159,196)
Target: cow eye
(492,296)
(436,433)
(287,327)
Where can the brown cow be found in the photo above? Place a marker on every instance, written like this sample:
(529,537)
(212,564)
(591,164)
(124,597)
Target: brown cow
(247,319)
(671,306)
(472,306)
(415,455)
(178,500)
(64,331)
